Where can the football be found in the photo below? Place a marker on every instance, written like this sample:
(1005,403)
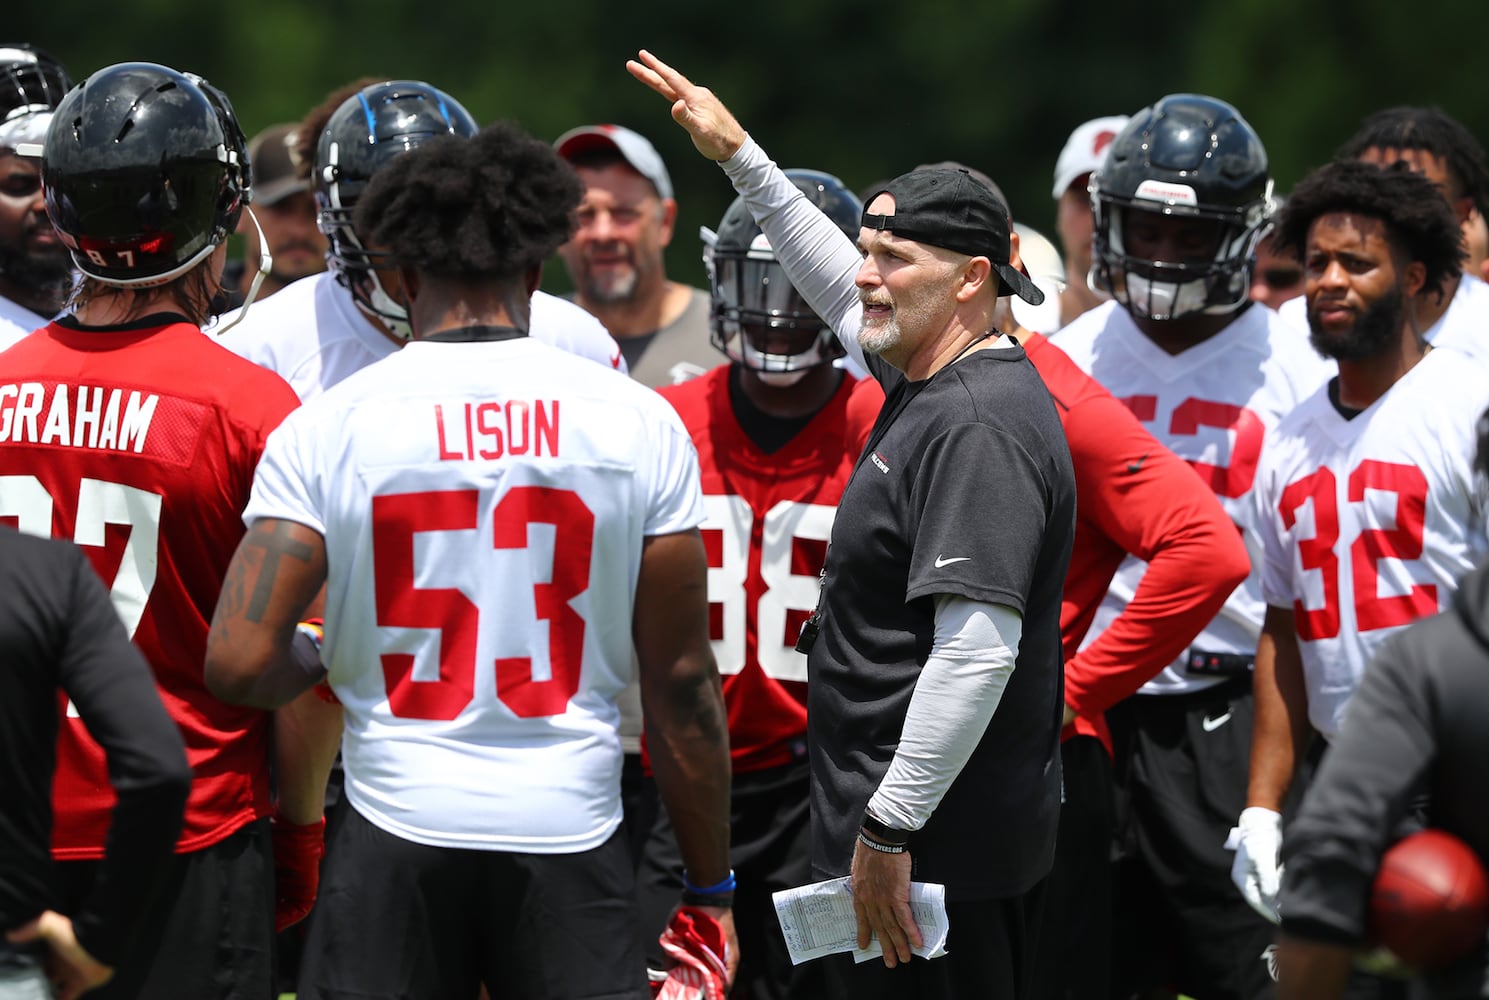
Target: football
(1429,905)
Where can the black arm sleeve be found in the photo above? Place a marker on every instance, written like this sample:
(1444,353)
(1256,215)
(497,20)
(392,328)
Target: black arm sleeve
(114,691)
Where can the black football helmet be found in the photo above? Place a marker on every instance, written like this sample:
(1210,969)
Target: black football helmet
(145,172)
(30,81)
(1186,155)
(758,318)
(368,130)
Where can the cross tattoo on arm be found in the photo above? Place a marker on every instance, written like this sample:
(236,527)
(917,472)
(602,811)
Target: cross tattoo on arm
(276,544)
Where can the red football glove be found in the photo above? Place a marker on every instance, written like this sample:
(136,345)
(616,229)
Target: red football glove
(297,868)
(695,942)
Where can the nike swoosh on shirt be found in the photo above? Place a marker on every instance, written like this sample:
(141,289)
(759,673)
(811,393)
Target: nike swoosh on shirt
(1209,725)
(1136,466)
(942,561)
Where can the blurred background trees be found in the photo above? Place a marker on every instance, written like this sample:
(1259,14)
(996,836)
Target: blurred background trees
(863,90)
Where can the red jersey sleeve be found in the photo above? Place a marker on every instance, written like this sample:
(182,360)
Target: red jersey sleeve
(1135,497)
(1149,503)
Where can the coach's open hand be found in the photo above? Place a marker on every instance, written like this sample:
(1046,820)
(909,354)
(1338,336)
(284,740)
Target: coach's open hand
(715,131)
(881,902)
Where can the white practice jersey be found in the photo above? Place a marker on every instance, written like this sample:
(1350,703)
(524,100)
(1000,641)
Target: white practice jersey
(1367,524)
(16,321)
(484,506)
(1212,405)
(1463,327)
(312,334)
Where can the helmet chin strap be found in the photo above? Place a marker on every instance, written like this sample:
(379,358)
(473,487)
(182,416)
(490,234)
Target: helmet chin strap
(393,315)
(266,265)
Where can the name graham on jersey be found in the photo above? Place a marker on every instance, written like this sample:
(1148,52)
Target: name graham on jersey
(76,416)
(467,431)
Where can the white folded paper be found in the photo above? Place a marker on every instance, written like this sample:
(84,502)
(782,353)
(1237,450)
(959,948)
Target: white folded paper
(818,920)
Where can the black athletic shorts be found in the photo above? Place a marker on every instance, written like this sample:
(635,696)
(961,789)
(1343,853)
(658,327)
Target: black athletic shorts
(402,920)
(1075,941)
(1181,924)
(209,935)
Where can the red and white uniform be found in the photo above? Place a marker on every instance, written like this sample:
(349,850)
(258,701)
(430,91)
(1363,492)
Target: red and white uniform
(769,517)
(1212,405)
(313,334)
(139,445)
(1367,524)
(484,506)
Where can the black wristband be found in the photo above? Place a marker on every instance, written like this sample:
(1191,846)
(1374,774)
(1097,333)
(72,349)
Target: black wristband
(874,845)
(883,833)
(720,899)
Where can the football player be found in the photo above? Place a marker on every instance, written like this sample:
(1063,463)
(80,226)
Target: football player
(35,269)
(1446,153)
(1366,498)
(498,525)
(1180,202)
(319,330)
(126,431)
(778,430)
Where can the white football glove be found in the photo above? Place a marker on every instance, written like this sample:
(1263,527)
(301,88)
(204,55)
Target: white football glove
(1257,841)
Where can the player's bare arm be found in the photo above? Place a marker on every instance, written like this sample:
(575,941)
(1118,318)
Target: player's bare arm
(1280,729)
(276,574)
(1311,969)
(687,730)
(716,132)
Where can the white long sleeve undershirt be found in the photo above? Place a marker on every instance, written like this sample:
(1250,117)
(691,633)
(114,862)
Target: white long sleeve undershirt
(972,657)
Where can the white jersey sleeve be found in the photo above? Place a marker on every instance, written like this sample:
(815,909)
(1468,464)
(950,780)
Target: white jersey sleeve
(286,483)
(1465,325)
(677,501)
(571,328)
(16,322)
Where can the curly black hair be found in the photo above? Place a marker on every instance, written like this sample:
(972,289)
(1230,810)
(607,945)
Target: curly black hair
(1431,130)
(1418,219)
(488,206)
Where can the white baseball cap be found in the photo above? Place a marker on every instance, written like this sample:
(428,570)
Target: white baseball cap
(632,146)
(1085,149)
(1047,271)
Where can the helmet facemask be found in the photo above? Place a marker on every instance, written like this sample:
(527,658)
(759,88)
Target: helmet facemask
(757,318)
(1167,290)
(30,82)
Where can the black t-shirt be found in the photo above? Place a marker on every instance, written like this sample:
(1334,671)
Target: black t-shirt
(59,630)
(966,489)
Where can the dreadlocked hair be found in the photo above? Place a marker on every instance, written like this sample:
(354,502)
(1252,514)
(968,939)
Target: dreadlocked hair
(489,206)
(1430,130)
(1418,220)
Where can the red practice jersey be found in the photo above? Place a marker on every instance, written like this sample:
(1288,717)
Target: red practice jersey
(768,522)
(1133,496)
(139,445)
